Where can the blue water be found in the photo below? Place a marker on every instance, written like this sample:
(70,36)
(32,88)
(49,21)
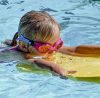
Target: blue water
(80,24)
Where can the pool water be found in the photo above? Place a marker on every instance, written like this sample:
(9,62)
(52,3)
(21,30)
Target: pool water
(80,24)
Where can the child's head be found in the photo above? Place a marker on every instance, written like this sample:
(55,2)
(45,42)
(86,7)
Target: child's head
(36,26)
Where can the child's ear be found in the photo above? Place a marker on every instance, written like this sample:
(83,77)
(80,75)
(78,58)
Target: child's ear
(13,43)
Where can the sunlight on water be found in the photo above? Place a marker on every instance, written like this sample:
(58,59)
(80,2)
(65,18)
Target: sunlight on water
(80,24)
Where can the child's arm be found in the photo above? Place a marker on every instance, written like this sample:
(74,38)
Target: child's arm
(43,62)
(81,50)
(88,49)
(55,67)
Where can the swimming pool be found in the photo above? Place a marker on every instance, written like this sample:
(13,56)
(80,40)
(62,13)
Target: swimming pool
(80,24)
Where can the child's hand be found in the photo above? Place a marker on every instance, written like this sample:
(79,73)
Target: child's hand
(64,72)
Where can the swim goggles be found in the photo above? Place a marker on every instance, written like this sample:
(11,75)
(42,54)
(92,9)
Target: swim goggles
(42,46)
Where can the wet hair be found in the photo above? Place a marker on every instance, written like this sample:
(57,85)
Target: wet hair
(38,26)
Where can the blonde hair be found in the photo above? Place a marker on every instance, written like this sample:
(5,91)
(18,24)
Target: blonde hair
(38,26)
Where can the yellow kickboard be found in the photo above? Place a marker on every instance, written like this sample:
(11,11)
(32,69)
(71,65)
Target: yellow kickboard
(85,66)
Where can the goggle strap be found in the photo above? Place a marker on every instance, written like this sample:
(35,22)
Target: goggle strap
(59,41)
(22,38)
